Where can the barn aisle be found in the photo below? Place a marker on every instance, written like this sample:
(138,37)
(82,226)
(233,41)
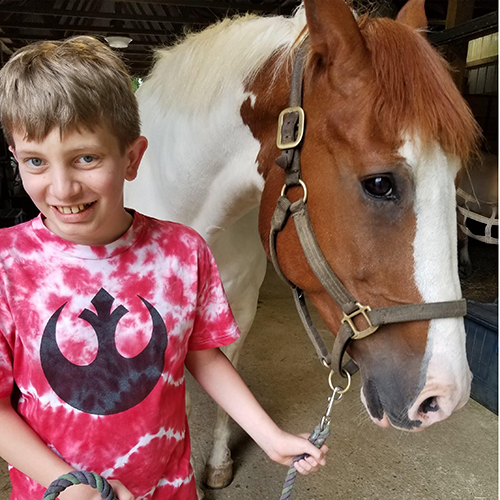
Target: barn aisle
(453,460)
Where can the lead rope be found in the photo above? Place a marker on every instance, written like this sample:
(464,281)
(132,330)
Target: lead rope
(79,477)
(319,435)
(317,438)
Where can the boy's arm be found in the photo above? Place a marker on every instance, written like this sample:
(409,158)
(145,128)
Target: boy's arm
(21,447)
(218,377)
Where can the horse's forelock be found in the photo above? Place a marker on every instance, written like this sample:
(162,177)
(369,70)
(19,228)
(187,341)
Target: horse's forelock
(413,89)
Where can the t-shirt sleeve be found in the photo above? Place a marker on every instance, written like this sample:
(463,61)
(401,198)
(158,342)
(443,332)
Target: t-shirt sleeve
(214,324)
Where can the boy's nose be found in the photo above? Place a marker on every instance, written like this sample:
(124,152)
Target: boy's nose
(63,185)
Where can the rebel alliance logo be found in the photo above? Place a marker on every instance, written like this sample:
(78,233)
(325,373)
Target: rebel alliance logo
(111,383)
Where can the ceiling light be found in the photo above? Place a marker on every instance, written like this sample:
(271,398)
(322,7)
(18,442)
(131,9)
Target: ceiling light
(118,42)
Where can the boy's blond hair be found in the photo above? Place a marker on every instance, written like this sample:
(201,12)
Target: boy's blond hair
(68,84)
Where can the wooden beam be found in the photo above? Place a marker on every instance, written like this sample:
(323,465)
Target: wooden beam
(459,12)
(59,13)
(238,5)
(212,4)
(42,27)
(474,28)
(54,26)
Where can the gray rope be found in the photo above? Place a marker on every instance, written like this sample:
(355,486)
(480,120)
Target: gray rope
(317,438)
(80,477)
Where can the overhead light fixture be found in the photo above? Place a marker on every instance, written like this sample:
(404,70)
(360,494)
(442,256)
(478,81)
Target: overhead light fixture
(118,42)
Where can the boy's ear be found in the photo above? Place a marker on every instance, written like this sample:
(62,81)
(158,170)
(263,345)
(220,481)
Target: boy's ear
(12,149)
(135,152)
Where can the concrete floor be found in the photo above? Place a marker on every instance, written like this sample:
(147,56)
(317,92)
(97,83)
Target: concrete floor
(456,459)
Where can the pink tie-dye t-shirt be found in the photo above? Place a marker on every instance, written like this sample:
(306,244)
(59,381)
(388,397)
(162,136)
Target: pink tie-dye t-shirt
(95,339)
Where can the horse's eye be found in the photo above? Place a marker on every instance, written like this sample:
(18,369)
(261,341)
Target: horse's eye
(379,186)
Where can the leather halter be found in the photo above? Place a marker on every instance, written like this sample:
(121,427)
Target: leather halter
(290,133)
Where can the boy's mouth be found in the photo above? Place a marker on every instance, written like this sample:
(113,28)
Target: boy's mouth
(74,209)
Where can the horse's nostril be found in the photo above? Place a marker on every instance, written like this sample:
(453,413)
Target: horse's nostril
(430,404)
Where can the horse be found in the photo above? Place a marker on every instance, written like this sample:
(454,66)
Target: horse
(385,134)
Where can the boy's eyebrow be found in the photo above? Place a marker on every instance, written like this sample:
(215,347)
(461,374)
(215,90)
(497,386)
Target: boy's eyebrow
(87,146)
(23,152)
(78,149)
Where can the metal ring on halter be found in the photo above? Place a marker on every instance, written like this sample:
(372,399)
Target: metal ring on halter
(340,390)
(302,184)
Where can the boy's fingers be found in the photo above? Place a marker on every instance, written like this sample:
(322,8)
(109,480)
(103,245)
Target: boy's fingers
(302,467)
(324,451)
(313,457)
(323,447)
(317,453)
(307,465)
(310,463)
(314,463)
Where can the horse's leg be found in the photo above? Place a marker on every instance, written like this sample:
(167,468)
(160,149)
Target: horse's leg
(464,262)
(242,265)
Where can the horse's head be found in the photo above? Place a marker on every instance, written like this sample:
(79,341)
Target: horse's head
(386,132)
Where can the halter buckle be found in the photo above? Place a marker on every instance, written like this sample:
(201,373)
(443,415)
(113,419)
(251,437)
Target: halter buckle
(360,334)
(300,128)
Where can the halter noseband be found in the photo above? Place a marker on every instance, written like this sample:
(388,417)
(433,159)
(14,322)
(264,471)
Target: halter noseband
(290,133)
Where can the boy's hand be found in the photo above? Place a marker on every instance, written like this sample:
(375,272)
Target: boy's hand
(121,491)
(86,492)
(287,446)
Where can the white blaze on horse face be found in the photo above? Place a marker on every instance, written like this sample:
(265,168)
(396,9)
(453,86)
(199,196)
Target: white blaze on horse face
(445,372)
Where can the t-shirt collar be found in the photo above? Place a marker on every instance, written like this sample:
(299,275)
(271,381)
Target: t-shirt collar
(116,247)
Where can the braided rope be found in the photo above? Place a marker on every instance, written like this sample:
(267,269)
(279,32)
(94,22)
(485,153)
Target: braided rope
(80,477)
(317,438)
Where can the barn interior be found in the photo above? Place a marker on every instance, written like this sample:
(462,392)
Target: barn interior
(456,459)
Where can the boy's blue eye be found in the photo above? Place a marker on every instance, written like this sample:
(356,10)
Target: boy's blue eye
(87,158)
(35,162)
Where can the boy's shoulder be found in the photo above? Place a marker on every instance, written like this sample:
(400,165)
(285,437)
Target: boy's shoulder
(15,237)
(173,231)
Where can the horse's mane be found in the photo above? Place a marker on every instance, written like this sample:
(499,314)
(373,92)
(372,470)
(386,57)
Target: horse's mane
(201,67)
(414,91)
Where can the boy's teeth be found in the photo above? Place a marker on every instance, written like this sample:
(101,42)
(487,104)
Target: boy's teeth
(71,210)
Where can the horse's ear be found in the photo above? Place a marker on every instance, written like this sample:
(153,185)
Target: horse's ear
(413,14)
(334,34)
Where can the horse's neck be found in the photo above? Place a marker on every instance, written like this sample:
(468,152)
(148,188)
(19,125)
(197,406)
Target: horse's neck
(201,164)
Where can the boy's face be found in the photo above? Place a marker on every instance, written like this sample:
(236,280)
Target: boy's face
(77,182)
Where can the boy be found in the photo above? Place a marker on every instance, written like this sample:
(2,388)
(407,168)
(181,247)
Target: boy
(101,307)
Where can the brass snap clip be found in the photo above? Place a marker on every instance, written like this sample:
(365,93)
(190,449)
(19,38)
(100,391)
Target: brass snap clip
(338,393)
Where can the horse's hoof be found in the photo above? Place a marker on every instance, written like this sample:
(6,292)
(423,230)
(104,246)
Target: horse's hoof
(220,476)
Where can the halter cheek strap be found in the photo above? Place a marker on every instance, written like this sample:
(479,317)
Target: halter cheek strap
(290,133)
